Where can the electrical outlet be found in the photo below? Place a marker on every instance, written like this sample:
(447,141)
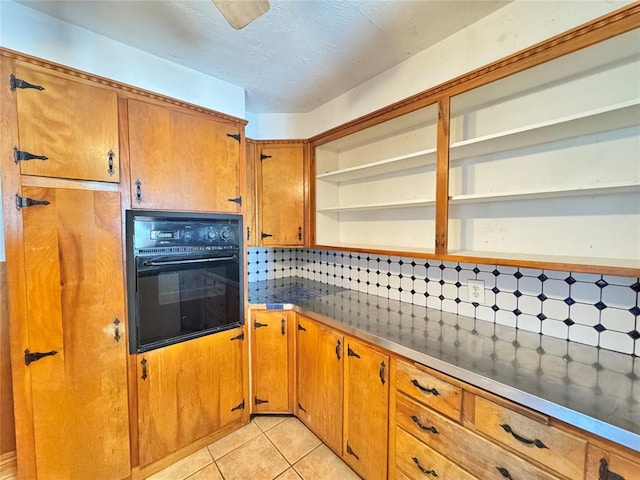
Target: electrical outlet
(476,291)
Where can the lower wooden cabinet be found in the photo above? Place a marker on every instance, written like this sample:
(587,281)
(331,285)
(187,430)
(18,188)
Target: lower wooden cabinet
(187,391)
(320,376)
(605,465)
(366,410)
(271,361)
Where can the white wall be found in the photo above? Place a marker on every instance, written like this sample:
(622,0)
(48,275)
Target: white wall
(512,28)
(31,32)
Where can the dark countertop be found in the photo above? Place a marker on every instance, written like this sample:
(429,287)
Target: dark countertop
(592,388)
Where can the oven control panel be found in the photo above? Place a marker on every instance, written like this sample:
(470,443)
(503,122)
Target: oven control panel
(212,233)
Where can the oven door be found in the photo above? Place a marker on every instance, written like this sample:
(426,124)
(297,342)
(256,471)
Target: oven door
(181,297)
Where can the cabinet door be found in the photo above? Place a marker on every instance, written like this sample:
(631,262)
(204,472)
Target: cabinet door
(271,364)
(75,288)
(187,391)
(320,381)
(366,410)
(281,195)
(72,123)
(182,161)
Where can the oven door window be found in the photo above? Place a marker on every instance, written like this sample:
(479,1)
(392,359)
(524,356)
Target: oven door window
(181,298)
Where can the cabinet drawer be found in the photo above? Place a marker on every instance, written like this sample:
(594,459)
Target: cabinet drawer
(427,389)
(479,456)
(561,451)
(420,461)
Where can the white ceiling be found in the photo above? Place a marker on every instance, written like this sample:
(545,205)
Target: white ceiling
(298,56)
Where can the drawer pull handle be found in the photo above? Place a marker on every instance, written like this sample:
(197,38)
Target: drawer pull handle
(432,391)
(432,472)
(504,472)
(431,429)
(538,443)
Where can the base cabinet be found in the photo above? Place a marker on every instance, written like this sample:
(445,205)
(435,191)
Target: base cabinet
(366,410)
(187,391)
(272,362)
(320,376)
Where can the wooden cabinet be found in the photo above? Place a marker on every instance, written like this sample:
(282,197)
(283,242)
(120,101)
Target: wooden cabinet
(71,122)
(76,319)
(182,160)
(187,391)
(272,361)
(281,193)
(366,410)
(320,377)
(605,465)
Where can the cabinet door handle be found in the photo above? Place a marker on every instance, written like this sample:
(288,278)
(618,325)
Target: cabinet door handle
(382,375)
(431,472)
(504,472)
(110,156)
(431,429)
(538,443)
(605,474)
(143,363)
(431,391)
(282,325)
(116,333)
(338,349)
(138,191)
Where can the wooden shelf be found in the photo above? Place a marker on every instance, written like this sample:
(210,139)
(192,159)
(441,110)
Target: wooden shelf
(391,165)
(379,206)
(403,251)
(544,193)
(613,117)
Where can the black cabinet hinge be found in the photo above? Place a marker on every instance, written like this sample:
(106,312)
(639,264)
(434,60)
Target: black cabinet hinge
(22,202)
(235,136)
(240,406)
(301,328)
(265,235)
(258,324)
(237,200)
(239,337)
(35,356)
(15,82)
(21,156)
(258,401)
(264,157)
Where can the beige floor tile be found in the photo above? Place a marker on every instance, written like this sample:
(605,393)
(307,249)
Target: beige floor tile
(289,474)
(235,439)
(256,460)
(185,467)
(323,464)
(266,422)
(210,472)
(293,439)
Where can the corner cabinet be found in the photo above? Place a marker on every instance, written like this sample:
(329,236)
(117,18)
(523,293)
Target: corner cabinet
(531,161)
(183,160)
(188,391)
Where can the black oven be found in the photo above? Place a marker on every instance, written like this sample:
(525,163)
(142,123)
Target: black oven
(185,276)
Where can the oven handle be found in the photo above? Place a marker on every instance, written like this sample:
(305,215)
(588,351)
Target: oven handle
(151,263)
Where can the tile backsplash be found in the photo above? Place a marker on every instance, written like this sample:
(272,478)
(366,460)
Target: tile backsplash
(597,310)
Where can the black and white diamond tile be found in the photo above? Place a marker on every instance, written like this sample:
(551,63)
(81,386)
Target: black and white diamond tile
(585,308)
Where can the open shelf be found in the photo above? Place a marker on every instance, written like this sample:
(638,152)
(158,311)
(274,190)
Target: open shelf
(612,117)
(379,206)
(545,193)
(381,167)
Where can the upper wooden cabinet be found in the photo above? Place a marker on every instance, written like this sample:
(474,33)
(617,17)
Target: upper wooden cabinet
(281,194)
(71,122)
(182,160)
(75,319)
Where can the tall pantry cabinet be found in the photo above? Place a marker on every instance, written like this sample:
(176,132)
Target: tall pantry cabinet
(64,269)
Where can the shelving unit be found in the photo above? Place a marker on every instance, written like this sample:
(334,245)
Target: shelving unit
(538,168)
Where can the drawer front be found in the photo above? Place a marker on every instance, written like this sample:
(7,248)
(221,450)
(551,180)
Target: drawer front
(481,457)
(419,461)
(427,389)
(561,451)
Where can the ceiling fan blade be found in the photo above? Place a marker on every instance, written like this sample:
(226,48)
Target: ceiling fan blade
(240,13)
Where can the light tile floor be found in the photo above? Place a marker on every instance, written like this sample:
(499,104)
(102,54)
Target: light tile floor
(268,448)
